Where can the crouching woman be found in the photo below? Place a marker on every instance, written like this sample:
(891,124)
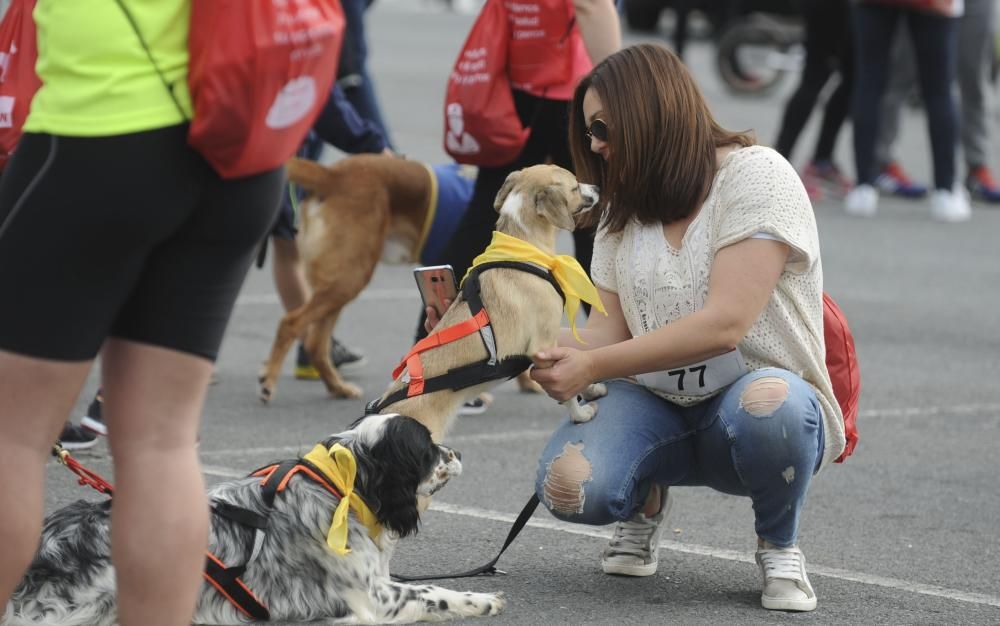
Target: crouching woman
(707,260)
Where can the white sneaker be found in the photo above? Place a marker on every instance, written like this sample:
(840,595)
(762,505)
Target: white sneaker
(950,206)
(786,585)
(862,201)
(634,548)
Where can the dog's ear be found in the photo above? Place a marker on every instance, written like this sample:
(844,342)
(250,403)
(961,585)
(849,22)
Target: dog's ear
(508,184)
(551,203)
(391,470)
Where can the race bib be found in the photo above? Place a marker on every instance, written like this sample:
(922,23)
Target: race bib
(698,379)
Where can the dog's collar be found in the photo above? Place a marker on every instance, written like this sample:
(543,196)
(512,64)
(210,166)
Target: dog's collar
(339,466)
(572,278)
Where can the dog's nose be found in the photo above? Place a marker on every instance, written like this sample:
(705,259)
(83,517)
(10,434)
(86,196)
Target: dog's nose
(591,194)
(450,453)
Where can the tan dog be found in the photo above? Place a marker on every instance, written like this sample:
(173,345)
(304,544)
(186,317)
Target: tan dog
(525,310)
(363,209)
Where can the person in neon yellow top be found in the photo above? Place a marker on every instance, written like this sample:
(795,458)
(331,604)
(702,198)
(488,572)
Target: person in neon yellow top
(97,78)
(118,238)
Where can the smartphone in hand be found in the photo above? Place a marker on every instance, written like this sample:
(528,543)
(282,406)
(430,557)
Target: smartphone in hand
(436,284)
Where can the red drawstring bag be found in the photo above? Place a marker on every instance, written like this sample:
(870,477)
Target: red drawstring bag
(842,364)
(260,71)
(481,125)
(18,80)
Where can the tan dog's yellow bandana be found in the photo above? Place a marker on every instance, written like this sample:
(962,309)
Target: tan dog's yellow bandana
(567,271)
(340,467)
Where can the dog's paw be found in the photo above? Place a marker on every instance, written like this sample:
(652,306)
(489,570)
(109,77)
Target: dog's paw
(595,391)
(483,604)
(582,413)
(346,390)
(526,385)
(498,603)
(265,392)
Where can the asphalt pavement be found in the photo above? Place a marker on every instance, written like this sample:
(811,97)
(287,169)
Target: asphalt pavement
(905,532)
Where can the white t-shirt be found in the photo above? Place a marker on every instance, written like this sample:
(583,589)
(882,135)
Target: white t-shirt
(756,192)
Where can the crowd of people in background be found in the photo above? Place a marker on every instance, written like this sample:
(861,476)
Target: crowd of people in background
(881,51)
(875,51)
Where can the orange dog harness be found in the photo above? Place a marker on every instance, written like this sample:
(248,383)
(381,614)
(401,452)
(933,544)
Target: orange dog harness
(490,368)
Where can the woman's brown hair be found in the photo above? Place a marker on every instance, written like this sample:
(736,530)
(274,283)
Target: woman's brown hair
(662,138)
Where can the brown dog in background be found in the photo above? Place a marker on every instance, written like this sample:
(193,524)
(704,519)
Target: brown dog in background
(361,210)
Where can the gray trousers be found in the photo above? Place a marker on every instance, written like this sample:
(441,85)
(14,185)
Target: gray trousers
(976,33)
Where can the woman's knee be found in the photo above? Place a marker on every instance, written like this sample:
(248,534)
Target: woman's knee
(569,489)
(763,396)
(779,405)
(563,480)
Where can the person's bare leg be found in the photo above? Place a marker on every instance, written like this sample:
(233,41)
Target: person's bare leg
(36,396)
(153,401)
(289,276)
(652,505)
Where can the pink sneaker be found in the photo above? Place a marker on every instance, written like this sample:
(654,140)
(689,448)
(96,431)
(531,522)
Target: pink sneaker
(812,183)
(826,173)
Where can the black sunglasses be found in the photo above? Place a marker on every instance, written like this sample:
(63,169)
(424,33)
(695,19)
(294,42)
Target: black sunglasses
(598,130)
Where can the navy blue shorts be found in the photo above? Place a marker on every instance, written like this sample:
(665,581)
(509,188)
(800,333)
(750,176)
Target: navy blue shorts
(131,236)
(286,225)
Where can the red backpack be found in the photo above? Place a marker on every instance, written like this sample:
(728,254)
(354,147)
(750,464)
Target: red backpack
(18,81)
(525,43)
(842,364)
(259,73)
(481,125)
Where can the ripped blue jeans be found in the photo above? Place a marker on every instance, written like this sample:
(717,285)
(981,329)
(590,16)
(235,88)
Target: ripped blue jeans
(760,437)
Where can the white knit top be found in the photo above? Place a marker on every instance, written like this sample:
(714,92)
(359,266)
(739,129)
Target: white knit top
(756,193)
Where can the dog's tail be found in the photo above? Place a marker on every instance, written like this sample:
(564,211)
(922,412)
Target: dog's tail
(309,175)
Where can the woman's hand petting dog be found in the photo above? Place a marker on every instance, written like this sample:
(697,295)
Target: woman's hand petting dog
(566,374)
(562,372)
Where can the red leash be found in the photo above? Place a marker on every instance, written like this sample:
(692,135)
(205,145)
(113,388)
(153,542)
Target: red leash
(87,477)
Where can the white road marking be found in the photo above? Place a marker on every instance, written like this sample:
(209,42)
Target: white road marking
(537,434)
(700,550)
(929,411)
(685,548)
(516,435)
(730,555)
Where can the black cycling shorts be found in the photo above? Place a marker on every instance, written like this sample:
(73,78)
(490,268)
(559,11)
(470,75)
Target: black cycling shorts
(130,236)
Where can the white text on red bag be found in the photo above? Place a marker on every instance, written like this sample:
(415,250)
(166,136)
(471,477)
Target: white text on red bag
(541,39)
(481,125)
(18,80)
(259,74)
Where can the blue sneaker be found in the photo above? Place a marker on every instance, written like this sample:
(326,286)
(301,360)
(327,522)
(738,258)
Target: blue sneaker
(893,180)
(982,186)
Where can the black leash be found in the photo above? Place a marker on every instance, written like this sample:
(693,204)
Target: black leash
(489,569)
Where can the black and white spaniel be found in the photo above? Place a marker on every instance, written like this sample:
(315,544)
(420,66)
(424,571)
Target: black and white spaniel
(283,537)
